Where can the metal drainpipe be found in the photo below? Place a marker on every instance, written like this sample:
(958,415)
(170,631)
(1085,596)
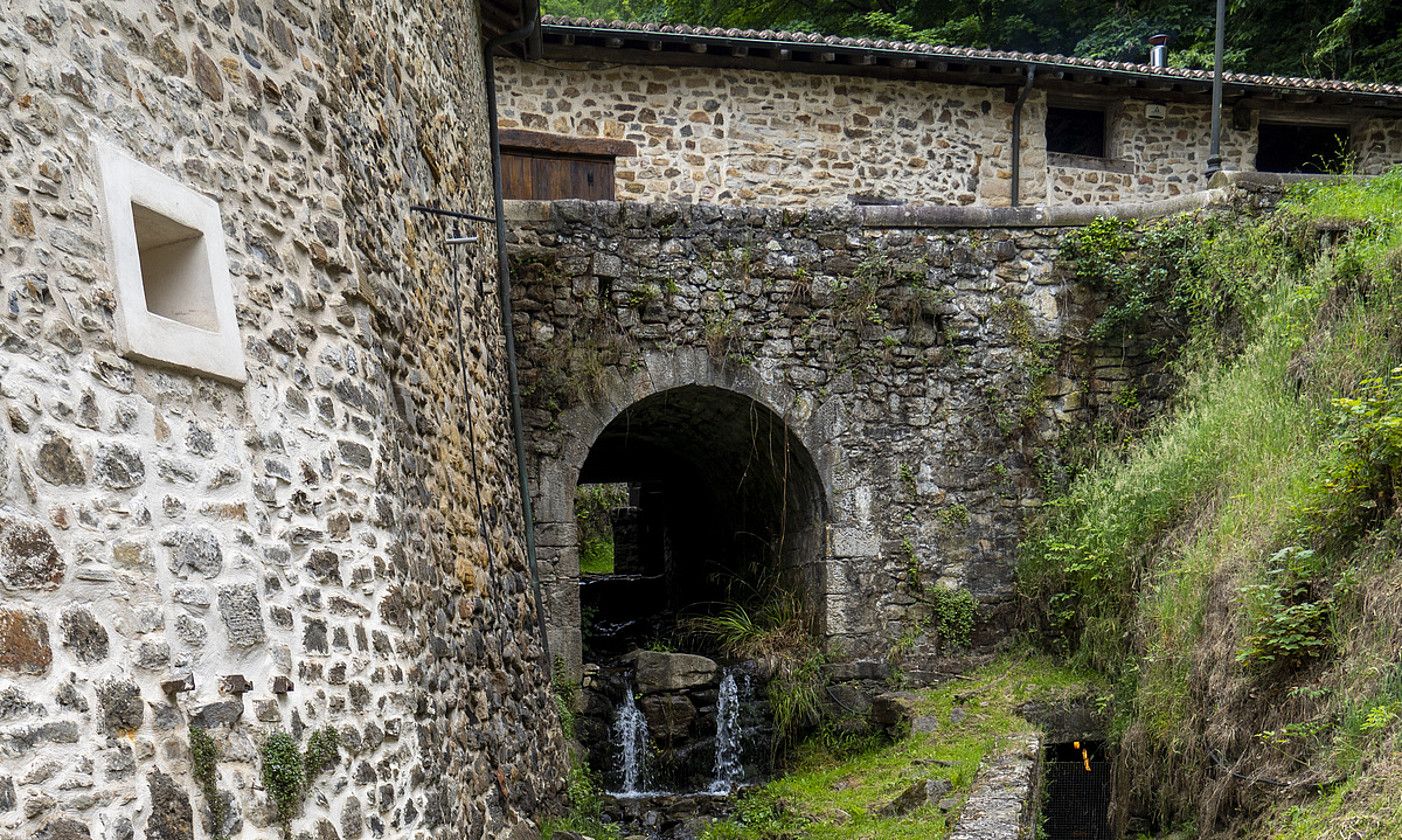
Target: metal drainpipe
(507,328)
(1017,134)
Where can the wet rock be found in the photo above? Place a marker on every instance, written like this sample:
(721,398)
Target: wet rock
(893,711)
(24,643)
(654,671)
(28,558)
(669,716)
(921,793)
(83,635)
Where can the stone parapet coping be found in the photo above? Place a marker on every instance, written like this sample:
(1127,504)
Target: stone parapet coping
(1223,190)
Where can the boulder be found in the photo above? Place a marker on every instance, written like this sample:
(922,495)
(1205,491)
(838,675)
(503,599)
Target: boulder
(669,716)
(923,792)
(893,711)
(654,671)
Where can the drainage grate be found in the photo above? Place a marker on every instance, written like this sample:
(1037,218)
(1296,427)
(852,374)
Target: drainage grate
(1077,801)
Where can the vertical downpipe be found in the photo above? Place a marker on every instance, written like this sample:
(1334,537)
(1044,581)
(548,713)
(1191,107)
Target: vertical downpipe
(507,327)
(1214,155)
(1017,134)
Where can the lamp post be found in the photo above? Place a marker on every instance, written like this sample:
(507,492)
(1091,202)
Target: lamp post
(1214,156)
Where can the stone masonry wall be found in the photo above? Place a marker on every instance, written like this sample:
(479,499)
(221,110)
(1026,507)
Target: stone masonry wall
(319,523)
(762,138)
(918,368)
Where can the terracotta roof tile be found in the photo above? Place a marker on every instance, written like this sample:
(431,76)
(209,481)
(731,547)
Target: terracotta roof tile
(561,24)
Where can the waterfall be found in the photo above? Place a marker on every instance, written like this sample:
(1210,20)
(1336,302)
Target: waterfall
(728,769)
(630,736)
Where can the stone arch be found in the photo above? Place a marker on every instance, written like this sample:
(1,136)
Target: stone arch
(664,389)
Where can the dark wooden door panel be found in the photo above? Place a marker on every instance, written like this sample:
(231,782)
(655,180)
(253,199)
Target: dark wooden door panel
(553,177)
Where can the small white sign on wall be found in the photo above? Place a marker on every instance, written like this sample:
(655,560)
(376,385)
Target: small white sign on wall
(165,247)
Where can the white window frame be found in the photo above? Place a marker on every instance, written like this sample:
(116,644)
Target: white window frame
(141,333)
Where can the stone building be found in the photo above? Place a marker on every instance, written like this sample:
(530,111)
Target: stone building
(655,112)
(252,478)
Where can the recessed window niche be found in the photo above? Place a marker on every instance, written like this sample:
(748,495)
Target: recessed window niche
(175,304)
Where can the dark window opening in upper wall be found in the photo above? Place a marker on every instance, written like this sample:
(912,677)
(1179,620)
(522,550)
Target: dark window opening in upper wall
(1301,148)
(1076,131)
(549,167)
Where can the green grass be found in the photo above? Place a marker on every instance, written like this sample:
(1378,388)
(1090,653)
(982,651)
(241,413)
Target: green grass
(835,786)
(593,512)
(1145,564)
(1361,808)
(1377,200)
(596,557)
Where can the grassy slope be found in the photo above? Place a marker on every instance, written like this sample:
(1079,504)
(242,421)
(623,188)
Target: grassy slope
(1145,561)
(830,794)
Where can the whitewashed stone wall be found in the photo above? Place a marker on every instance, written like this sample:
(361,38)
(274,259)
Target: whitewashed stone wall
(317,523)
(796,139)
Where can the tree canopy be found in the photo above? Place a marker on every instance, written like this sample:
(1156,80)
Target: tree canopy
(1345,39)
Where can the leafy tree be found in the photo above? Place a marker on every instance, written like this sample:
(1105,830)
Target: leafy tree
(1348,39)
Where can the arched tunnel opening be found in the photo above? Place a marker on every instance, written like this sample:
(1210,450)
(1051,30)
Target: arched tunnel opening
(692,500)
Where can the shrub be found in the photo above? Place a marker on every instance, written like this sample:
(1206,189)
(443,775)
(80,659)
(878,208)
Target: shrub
(1288,613)
(951,615)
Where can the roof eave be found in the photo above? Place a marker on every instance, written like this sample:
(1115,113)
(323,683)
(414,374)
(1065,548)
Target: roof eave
(819,55)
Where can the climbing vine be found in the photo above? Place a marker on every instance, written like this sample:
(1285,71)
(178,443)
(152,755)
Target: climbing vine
(204,758)
(288,773)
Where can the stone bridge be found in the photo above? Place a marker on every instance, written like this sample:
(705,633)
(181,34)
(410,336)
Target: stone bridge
(875,394)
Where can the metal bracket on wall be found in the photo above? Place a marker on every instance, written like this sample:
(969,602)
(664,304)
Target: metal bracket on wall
(466,428)
(455,238)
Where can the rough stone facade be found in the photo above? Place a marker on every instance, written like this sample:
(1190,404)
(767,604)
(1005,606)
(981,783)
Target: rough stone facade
(321,523)
(764,138)
(916,367)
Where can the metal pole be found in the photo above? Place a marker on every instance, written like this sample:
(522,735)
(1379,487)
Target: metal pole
(1017,134)
(1214,156)
(508,328)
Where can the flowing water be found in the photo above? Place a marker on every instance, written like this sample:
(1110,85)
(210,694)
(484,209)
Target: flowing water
(631,738)
(633,746)
(728,767)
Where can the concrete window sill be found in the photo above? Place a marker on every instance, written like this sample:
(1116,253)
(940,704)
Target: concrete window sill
(1066,161)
